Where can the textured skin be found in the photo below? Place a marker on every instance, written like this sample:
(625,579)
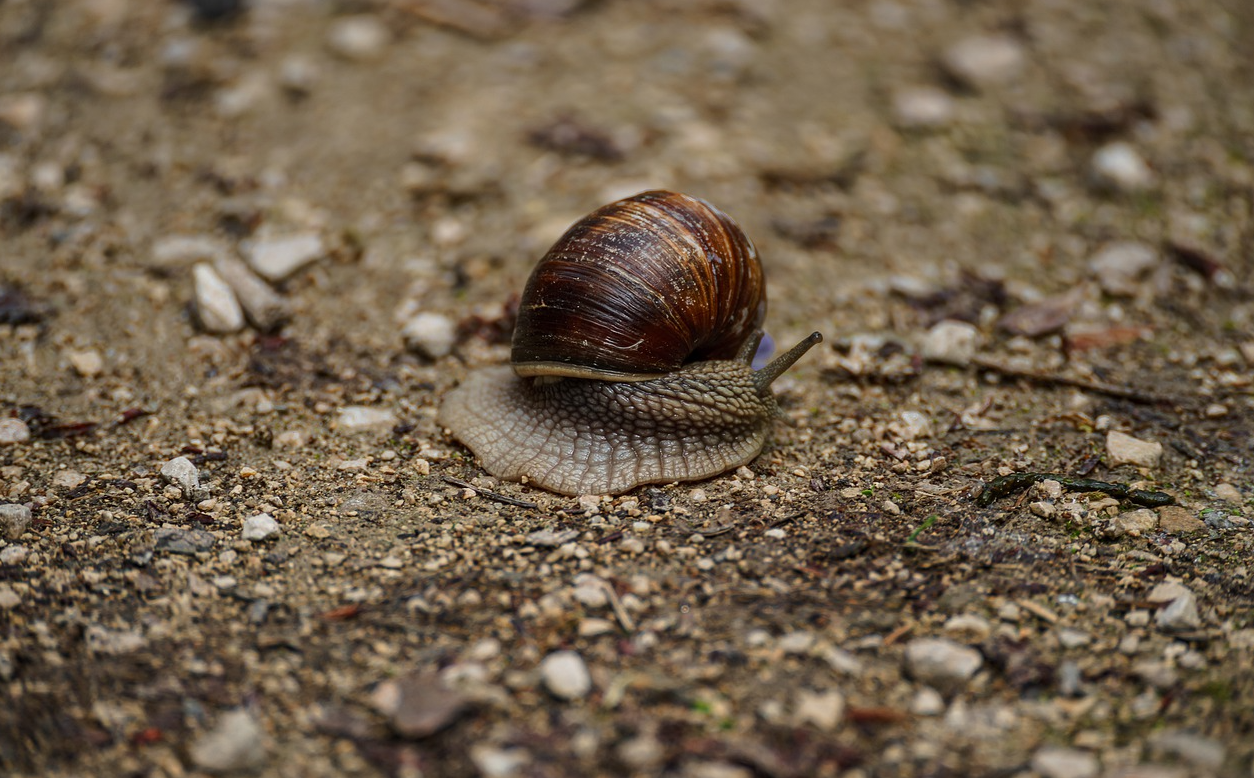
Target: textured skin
(576,436)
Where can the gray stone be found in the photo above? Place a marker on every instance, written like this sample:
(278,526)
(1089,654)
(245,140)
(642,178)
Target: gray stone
(217,309)
(183,541)
(952,343)
(276,258)
(182,473)
(236,744)
(430,335)
(259,527)
(14,520)
(1197,750)
(13,431)
(14,555)
(1181,615)
(565,675)
(1120,267)
(1059,762)
(942,663)
(1124,449)
(418,705)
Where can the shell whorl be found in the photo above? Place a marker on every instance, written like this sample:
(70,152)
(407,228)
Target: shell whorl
(638,288)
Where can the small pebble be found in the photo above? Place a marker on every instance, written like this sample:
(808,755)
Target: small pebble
(923,107)
(276,258)
(182,473)
(927,702)
(217,309)
(1126,450)
(87,363)
(14,554)
(1198,750)
(985,60)
(1060,762)
(912,425)
(263,307)
(1225,491)
(430,335)
(358,38)
(1121,167)
(259,527)
(360,418)
(1120,267)
(1136,522)
(14,521)
(68,479)
(236,744)
(183,541)
(942,663)
(565,675)
(1177,520)
(951,343)
(823,709)
(13,431)
(968,628)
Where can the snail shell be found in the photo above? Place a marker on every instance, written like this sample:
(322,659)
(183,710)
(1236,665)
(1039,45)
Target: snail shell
(631,357)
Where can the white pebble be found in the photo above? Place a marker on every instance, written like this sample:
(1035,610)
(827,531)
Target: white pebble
(923,107)
(276,258)
(261,304)
(358,418)
(13,431)
(217,308)
(1059,762)
(952,343)
(181,472)
(985,60)
(260,527)
(1120,166)
(1120,267)
(88,363)
(942,663)
(822,709)
(430,335)
(1125,449)
(14,520)
(358,38)
(236,744)
(565,675)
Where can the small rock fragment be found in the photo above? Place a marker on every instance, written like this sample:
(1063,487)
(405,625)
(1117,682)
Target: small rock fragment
(183,541)
(1059,762)
(927,702)
(912,426)
(1181,615)
(823,709)
(88,363)
(1197,750)
(13,555)
(495,762)
(237,743)
(1135,523)
(182,473)
(952,343)
(430,335)
(920,107)
(259,527)
(942,663)
(13,431)
(14,521)
(1121,167)
(1119,267)
(360,418)
(565,675)
(265,309)
(217,308)
(1225,491)
(358,38)
(176,249)
(418,705)
(968,628)
(982,61)
(1177,520)
(276,258)
(68,479)
(1126,450)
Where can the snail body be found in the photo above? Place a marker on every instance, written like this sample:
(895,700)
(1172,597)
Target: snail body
(630,361)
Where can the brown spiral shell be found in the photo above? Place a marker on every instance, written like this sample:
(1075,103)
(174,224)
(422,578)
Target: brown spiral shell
(638,288)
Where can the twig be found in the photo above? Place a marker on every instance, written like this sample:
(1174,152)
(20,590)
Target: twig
(1007,485)
(1101,387)
(490,495)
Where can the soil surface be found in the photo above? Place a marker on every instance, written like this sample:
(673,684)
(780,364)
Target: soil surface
(1025,229)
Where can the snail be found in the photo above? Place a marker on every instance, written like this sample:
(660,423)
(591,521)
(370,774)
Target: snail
(631,357)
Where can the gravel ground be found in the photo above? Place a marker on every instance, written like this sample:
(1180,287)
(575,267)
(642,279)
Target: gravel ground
(245,247)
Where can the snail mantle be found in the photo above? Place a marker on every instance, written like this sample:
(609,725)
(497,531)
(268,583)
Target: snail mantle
(630,361)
